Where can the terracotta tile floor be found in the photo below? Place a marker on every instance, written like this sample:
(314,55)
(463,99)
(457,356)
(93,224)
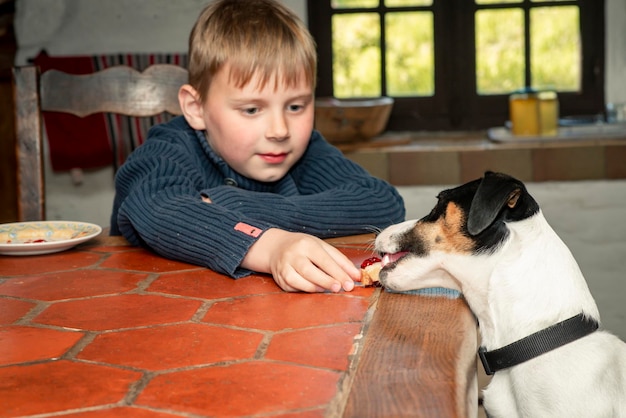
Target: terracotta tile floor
(114,331)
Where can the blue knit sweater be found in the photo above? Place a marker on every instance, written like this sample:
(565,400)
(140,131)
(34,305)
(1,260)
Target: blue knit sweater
(159,189)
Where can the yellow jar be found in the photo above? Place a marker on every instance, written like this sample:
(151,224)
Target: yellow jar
(534,113)
(524,113)
(548,113)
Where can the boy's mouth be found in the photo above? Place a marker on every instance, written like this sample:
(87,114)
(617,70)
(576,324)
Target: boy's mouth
(274,158)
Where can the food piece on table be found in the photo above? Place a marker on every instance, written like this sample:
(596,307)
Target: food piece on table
(370,269)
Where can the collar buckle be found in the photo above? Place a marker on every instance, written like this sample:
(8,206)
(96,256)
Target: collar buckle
(484,361)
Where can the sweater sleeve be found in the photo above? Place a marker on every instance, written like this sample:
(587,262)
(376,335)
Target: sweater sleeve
(335,197)
(159,206)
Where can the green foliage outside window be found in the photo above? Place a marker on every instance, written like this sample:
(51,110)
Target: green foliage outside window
(409,50)
(499,51)
(356,55)
(555,51)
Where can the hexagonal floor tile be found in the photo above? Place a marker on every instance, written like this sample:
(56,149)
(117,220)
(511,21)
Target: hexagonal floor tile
(241,389)
(117,312)
(21,344)
(38,264)
(123,412)
(11,310)
(71,284)
(207,284)
(319,347)
(288,310)
(187,345)
(59,386)
(144,260)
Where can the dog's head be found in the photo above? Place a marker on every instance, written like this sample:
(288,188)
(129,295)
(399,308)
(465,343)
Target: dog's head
(468,220)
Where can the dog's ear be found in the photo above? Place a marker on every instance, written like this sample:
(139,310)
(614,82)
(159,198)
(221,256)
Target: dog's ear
(494,193)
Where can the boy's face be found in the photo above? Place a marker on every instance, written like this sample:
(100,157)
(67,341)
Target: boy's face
(260,133)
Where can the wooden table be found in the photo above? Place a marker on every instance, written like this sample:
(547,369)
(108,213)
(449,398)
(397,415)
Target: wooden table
(417,357)
(384,354)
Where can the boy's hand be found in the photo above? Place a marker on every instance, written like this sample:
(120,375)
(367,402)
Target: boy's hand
(301,262)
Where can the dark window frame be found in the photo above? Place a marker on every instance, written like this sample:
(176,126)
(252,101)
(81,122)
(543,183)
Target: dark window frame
(455,105)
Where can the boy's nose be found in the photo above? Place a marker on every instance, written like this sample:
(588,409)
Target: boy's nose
(278,129)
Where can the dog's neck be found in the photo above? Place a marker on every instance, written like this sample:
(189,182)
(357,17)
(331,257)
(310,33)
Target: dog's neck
(532,283)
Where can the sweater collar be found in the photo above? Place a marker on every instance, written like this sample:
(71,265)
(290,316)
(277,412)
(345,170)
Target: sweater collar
(232,177)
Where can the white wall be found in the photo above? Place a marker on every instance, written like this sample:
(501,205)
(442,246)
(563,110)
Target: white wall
(75,27)
(615,51)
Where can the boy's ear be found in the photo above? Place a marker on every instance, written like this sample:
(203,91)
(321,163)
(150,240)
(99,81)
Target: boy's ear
(192,109)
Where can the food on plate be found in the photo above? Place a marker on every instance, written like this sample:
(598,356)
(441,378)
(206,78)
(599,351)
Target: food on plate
(40,234)
(370,268)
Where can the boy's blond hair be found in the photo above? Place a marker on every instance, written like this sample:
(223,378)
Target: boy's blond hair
(250,36)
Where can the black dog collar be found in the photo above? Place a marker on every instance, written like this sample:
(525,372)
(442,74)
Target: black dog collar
(536,344)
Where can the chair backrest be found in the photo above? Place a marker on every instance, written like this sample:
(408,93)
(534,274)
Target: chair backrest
(121,90)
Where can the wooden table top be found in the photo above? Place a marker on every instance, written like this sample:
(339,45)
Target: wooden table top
(417,357)
(407,354)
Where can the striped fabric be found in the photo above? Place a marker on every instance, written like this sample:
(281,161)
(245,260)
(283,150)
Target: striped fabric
(127,133)
(431,291)
(111,138)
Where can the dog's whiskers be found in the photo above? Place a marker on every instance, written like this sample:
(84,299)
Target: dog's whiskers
(373,229)
(372,243)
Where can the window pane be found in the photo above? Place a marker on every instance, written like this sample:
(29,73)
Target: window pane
(555,48)
(410,54)
(398,3)
(347,4)
(356,55)
(499,51)
(497,1)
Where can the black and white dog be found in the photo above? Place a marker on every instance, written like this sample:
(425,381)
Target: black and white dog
(538,321)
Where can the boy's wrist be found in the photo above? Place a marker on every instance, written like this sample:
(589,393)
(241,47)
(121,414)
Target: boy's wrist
(258,255)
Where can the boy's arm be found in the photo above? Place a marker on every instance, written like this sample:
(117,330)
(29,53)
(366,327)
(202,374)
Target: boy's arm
(331,196)
(158,204)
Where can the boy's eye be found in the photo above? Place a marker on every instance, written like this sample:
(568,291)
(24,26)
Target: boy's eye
(251,110)
(295,107)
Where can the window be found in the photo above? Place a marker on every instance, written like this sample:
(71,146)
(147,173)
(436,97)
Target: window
(452,64)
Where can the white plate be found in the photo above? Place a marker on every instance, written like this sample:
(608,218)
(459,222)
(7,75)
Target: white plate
(31,238)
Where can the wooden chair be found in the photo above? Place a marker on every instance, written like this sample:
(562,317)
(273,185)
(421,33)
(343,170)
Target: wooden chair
(121,90)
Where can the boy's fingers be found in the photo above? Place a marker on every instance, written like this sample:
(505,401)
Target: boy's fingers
(348,266)
(305,263)
(347,272)
(326,272)
(312,274)
(290,280)
(297,283)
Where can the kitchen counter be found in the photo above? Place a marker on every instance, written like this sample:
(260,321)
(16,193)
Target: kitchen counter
(421,158)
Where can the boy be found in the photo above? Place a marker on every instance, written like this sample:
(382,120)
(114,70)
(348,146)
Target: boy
(241,183)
